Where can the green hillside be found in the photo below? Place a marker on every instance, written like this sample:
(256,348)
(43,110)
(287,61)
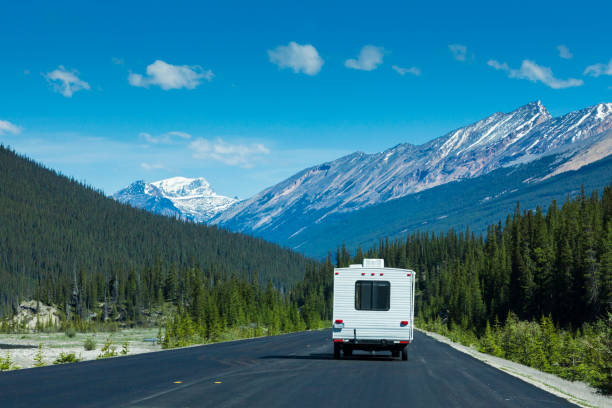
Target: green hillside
(55,232)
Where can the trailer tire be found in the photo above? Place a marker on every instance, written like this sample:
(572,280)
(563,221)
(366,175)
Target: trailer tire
(348,351)
(336,351)
(395,353)
(405,354)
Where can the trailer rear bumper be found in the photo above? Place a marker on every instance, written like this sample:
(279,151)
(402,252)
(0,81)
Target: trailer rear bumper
(369,344)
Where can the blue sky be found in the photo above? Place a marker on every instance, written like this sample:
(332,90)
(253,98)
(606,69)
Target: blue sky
(246,94)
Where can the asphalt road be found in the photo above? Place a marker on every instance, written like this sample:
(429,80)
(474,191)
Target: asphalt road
(295,370)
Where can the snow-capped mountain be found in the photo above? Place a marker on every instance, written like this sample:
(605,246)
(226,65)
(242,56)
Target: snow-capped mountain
(187,198)
(360,180)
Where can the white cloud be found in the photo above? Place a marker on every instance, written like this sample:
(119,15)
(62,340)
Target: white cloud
(403,71)
(533,72)
(166,138)
(153,166)
(596,70)
(182,135)
(231,154)
(168,76)
(564,52)
(459,51)
(300,58)
(369,58)
(498,66)
(8,127)
(118,61)
(66,82)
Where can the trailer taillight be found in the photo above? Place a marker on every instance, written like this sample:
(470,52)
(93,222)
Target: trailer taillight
(404,341)
(404,323)
(337,340)
(337,273)
(338,321)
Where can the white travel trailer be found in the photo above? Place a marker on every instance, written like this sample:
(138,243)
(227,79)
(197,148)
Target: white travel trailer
(373,308)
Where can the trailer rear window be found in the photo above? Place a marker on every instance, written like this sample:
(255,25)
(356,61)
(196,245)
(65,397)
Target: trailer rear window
(372,295)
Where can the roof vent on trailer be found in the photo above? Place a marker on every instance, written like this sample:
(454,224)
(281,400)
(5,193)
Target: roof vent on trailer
(373,263)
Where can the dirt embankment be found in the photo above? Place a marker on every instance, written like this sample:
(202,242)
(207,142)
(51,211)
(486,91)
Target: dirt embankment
(32,314)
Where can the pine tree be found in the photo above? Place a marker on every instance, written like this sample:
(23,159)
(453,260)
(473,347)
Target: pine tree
(39,357)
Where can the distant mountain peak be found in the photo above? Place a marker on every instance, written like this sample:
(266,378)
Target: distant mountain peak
(185,187)
(535,104)
(137,187)
(535,107)
(188,198)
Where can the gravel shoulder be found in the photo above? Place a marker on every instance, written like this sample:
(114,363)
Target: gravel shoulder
(575,392)
(24,347)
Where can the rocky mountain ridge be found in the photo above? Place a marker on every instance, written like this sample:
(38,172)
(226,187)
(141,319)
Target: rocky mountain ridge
(360,180)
